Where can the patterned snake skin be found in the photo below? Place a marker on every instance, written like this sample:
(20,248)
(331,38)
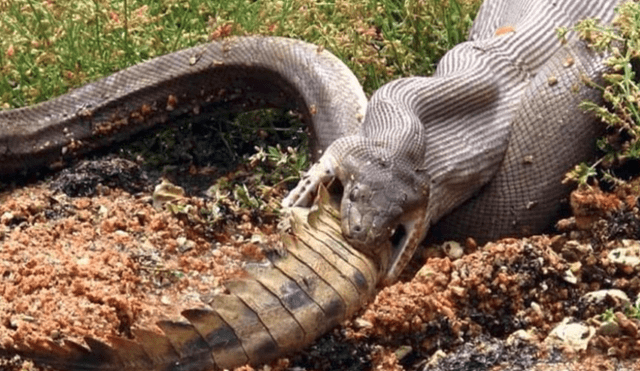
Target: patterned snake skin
(480,148)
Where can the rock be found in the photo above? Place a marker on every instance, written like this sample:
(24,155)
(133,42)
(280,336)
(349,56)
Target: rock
(6,218)
(521,336)
(569,277)
(574,336)
(453,250)
(573,250)
(360,323)
(609,328)
(600,296)
(435,358)
(629,327)
(628,255)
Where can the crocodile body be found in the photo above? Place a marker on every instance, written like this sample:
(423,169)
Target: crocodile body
(481,147)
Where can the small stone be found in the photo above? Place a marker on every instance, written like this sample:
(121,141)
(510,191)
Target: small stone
(257,238)
(599,297)
(103,211)
(573,250)
(520,336)
(458,291)
(436,357)
(6,218)
(575,335)
(470,243)
(403,351)
(609,328)
(536,308)
(628,255)
(185,244)
(627,326)
(360,323)
(568,276)
(453,250)
(425,271)
(568,62)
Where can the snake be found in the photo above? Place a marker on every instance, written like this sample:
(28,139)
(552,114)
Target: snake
(478,149)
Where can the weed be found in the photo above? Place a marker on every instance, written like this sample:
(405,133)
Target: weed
(621,93)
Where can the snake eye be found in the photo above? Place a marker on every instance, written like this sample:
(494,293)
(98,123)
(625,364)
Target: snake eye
(353,195)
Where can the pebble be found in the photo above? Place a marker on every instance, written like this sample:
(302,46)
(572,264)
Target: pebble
(628,255)
(609,328)
(574,335)
(568,276)
(521,335)
(453,250)
(360,323)
(6,218)
(600,296)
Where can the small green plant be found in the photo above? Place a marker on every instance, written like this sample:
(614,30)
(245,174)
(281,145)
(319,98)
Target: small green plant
(279,166)
(608,315)
(621,111)
(581,174)
(262,175)
(633,311)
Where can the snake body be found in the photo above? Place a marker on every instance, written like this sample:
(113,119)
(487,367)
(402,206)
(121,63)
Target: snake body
(480,148)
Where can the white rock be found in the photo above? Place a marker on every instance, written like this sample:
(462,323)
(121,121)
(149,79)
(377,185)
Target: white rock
(573,335)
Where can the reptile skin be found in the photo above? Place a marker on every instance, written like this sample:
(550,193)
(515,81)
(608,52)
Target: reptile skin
(480,148)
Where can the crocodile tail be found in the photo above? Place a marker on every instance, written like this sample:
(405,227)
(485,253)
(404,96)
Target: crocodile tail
(281,305)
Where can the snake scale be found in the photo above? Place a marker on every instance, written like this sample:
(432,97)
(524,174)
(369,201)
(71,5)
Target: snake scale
(478,149)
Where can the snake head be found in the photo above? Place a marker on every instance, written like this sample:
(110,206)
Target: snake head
(384,210)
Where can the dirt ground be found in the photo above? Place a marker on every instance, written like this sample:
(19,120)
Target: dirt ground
(107,262)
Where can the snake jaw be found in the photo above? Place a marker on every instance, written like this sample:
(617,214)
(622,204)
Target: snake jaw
(391,236)
(404,241)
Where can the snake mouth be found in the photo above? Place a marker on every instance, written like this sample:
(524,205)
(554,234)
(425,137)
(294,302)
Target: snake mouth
(404,239)
(398,237)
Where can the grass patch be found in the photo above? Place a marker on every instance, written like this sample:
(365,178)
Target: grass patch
(48,47)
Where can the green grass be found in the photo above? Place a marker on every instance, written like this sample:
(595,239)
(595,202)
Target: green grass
(48,47)
(621,93)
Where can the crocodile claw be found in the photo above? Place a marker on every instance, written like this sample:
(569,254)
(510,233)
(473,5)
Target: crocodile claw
(323,172)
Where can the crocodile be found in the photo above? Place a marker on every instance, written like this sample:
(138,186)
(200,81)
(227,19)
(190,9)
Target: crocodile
(478,149)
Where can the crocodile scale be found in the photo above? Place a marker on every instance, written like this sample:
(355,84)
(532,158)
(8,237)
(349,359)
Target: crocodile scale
(479,149)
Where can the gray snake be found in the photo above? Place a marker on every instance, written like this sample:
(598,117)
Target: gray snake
(478,149)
